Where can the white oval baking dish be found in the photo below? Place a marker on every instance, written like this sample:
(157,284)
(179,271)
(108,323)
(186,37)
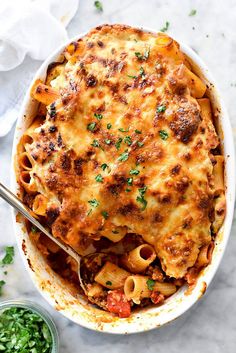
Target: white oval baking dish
(76,309)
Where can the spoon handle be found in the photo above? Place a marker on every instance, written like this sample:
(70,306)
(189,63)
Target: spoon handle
(10,198)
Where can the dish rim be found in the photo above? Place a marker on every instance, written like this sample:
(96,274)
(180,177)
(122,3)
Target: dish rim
(127,327)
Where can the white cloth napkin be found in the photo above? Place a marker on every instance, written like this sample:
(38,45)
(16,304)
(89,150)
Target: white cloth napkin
(27,27)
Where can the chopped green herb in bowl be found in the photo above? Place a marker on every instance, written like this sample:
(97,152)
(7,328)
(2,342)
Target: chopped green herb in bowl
(2,283)
(26,327)
(9,255)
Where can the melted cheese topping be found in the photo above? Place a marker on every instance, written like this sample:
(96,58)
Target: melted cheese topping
(125,148)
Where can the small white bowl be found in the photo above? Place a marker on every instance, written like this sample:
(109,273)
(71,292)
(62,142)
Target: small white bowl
(52,287)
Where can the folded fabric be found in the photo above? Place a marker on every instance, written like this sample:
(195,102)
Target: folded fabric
(27,28)
(35,28)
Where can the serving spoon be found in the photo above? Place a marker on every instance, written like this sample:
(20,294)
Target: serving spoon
(13,200)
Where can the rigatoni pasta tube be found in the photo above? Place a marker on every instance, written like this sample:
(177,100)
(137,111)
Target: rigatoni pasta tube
(165,288)
(53,73)
(205,255)
(218,172)
(139,258)
(196,85)
(135,288)
(205,106)
(37,122)
(25,161)
(43,93)
(111,276)
(206,115)
(28,137)
(25,141)
(115,235)
(73,50)
(27,182)
(220,208)
(94,290)
(169,47)
(40,205)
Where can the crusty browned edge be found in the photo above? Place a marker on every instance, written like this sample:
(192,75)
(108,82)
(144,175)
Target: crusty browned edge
(107,28)
(114,28)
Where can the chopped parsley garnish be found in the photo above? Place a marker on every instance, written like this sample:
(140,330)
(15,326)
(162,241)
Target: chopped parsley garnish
(141,198)
(104,166)
(127,190)
(145,56)
(89,212)
(150,284)
(141,71)
(163,135)
(130,76)
(107,141)
(138,131)
(130,181)
(142,201)
(1,286)
(128,140)
(98,5)
(9,255)
(140,144)
(5,273)
(138,55)
(146,53)
(109,126)
(134,172)
(105,214)
(99,178)
(98,116)
(161,108)
(108,283)
(166,27)
(118,143)
(192,12)
(141,57)
(23,330)
(121,129)
(33,229)
(91,126)
(94,203)
(142,190)
(124,156)
(95,143)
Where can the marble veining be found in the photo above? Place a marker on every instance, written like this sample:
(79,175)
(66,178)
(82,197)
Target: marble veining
(210,326)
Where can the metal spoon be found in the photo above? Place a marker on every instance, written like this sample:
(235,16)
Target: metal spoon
(10,198)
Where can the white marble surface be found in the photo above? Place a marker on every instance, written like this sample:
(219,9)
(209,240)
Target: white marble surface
(210,326)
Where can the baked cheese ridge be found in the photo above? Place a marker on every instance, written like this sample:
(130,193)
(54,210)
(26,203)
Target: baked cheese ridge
(126,111)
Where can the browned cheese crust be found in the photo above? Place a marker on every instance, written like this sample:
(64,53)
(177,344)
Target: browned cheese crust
(126,102)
